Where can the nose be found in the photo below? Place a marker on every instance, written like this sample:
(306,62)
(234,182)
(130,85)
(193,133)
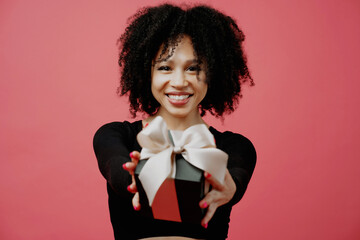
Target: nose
(178,79)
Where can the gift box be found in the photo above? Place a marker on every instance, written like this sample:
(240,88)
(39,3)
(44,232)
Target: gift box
(178,198)
(170,175)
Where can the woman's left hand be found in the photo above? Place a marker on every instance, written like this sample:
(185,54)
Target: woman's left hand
(220,194)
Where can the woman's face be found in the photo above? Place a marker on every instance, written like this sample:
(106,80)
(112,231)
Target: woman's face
(178,83)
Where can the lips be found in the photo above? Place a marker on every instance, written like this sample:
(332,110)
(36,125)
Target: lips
(178,98)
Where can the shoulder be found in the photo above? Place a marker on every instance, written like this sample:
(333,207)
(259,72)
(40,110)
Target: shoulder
(113,127)
(231,138)
(233,142)
(116,129)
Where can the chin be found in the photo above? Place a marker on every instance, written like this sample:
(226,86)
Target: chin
(179,114)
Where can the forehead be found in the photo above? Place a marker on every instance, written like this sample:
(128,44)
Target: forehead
(182,47)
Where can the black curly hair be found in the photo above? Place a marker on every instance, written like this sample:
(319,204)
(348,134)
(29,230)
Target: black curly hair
(217,41)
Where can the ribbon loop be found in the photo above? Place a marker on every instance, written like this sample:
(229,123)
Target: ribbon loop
(196,144)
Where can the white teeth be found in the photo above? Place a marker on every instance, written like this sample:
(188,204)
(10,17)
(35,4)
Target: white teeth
(178,97)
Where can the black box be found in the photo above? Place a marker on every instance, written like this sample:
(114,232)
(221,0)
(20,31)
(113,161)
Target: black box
(177,199)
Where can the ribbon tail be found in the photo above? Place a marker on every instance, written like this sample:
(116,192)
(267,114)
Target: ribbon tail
(154,173)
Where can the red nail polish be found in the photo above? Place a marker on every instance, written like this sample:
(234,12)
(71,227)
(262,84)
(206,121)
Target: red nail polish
(204,205)
(129,188)
(124,166)
(207,175)
(137,208)
(205,225)
(131,155)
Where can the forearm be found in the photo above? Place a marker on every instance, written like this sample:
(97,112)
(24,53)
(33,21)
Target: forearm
(111,147)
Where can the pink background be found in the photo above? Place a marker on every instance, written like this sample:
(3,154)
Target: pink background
(58,79)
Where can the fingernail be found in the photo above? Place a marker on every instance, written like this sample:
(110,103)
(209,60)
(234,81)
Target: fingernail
(124,166)
(137,208)
(205,225)
(204,205)
(129,188)
(207,175)
(131,155)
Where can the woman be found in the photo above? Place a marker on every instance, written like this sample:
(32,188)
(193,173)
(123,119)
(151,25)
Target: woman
(176,63)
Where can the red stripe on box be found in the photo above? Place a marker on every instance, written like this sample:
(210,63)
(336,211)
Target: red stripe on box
(165,205)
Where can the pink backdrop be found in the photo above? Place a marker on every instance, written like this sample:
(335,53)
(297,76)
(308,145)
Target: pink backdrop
(58,79)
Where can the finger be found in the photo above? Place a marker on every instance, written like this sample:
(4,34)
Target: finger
(212,197)
(135,156)
(213,181)
(136,202)
(129,166)
(209,214)
(133,183)
(132,188)
(206,201)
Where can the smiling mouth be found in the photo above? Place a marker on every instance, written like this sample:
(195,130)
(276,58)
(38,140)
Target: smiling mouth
(178,97)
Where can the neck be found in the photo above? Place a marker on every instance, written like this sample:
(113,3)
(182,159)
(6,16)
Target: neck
(178,123)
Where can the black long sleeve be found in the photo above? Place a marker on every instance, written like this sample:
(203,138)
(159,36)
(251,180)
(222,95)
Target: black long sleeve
(242,159)
(112,144)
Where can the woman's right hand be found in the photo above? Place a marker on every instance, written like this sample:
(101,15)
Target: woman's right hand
(130,167)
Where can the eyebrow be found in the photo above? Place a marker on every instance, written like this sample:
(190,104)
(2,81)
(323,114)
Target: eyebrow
(171,61)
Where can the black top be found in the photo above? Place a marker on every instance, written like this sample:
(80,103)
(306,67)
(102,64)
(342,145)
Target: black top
(113,143)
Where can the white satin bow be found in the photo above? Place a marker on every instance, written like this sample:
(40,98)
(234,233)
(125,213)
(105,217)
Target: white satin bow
(196,144)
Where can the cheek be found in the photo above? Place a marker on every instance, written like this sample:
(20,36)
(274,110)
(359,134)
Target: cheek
(203,85)
(158,82)
(156,87)
(205,89)
(202,89)
(154,91)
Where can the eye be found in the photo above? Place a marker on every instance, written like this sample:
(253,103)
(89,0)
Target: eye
(194,68)
(164,68)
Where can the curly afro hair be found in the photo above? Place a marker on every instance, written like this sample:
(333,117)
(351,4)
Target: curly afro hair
(217,41)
